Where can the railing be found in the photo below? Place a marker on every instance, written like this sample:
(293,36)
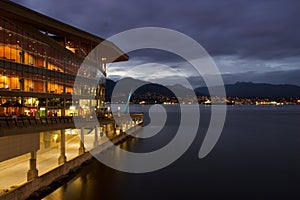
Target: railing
(26,121)
(8,122)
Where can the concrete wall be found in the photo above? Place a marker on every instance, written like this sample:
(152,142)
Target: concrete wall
(16,145)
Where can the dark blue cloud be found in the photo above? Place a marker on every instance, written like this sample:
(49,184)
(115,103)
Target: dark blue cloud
(255,30)
(263,29)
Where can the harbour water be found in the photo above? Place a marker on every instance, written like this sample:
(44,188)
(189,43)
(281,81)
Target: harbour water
(256,157)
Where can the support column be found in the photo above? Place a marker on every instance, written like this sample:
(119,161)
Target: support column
(96,136)
(62,158)
(47,102)
(32,172)
(81,148)
(46,77)
(63,111)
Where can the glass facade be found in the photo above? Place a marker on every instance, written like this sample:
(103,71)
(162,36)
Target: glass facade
(34,63)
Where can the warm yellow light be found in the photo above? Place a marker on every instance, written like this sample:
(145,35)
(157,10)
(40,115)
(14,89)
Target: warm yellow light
(71,131)
(55,137)
(30,101)
(70,48)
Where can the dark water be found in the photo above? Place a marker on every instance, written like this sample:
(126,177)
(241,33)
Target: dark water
(257,157)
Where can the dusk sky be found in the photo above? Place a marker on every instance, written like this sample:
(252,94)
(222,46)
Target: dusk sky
(254,41)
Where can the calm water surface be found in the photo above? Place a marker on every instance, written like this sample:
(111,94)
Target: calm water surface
(257,157)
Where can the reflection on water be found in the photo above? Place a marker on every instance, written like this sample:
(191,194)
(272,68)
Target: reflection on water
(257,156)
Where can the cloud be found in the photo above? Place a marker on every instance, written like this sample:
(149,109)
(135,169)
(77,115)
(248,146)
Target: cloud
(263,29)
(258,36)
(274,77)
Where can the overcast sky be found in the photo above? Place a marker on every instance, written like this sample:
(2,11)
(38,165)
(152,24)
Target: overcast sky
(256,40)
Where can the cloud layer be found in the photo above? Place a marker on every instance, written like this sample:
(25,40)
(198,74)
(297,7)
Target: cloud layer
(258,36)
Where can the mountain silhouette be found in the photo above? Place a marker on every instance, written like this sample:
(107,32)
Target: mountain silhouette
(261,90)
(153,91)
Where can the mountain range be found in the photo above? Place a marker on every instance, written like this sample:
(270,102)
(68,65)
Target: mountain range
(239,89)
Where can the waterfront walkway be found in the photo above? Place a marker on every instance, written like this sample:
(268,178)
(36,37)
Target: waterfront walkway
(13,172)
(59,142)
